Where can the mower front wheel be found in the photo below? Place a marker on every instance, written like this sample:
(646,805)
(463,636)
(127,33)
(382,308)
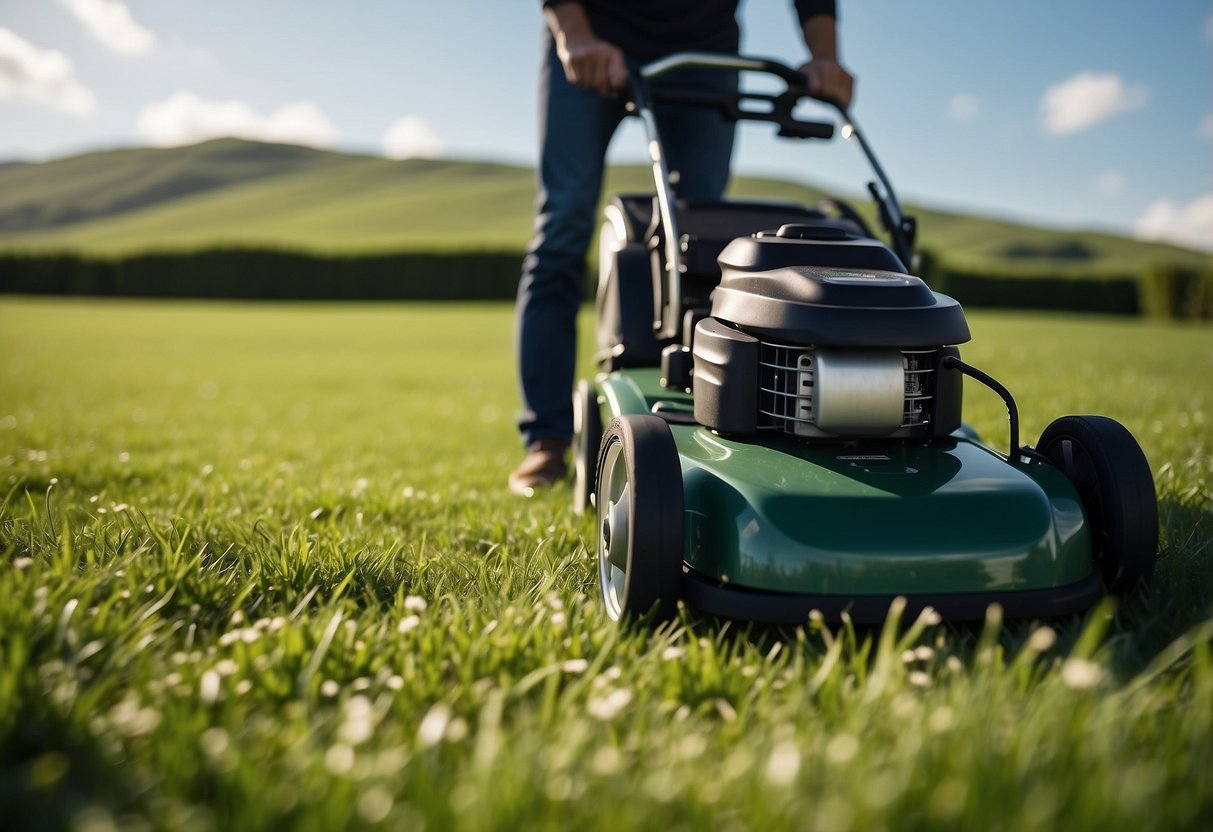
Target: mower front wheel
(1106,466)
(587,435)
(639,506)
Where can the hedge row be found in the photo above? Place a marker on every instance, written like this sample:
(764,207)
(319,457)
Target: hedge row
(1162,290)
(245,274)
(1111,295)
(1173,291)
(1165,290)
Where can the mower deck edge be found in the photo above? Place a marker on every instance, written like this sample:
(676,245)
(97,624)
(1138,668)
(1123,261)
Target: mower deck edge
(764,607)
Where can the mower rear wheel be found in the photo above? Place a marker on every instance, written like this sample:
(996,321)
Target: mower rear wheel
(587,435)
(639,514)
(1105,464)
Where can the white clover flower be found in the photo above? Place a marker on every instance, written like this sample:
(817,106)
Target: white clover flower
(339,759)
(359,723)
(930,617)
(784,764)
(1080,674)
(130,719)
(213,742)
(208,690)
(433,725)
(1042,639)
(608,706)
(606,761)
(375,805)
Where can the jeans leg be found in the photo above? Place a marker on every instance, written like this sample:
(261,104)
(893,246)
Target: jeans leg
(698,141)
(576,126)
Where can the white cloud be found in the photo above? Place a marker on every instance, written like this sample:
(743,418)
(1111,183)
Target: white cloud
(44,76)
(409,137)
(1110,183)
(964,107)
(1085,100)
(110,22)
(1189,225)
(186,118)
(1206,126)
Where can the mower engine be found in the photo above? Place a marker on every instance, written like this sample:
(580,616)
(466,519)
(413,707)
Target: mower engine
(851,347)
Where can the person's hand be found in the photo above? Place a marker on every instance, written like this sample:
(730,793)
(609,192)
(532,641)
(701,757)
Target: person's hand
(593,64)
(829,81)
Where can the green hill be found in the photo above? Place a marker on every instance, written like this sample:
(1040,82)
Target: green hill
(230,192)
(95,186)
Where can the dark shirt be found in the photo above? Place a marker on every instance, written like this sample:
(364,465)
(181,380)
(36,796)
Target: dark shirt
(649,29)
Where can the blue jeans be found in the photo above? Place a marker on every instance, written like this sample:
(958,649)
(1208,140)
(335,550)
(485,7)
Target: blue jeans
(576,125)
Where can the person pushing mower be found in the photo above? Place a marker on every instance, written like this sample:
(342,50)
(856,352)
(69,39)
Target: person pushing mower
(583,79)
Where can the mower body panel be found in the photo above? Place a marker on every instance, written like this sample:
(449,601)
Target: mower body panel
(867,518)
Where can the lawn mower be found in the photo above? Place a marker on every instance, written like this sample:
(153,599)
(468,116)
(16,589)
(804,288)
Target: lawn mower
(776,425)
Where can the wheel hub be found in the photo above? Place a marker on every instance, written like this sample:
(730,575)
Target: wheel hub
(615,531)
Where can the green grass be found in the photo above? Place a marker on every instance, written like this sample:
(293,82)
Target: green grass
(258,569)
(230,192)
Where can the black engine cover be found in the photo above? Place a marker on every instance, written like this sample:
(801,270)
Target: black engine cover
(838,307)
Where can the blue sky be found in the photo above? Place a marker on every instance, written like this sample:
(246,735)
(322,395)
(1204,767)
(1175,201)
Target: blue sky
(1078,114)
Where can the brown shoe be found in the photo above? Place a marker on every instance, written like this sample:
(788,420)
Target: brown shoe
(542,467)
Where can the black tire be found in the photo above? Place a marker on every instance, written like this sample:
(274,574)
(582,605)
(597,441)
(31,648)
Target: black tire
(1105,464)
(640,490)
(587,436)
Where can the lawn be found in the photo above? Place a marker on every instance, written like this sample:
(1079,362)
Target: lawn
(258,569)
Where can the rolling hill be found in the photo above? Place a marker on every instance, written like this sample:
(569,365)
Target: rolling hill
(231,192)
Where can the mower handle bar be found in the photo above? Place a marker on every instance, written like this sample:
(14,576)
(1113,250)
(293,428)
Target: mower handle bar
(666,320)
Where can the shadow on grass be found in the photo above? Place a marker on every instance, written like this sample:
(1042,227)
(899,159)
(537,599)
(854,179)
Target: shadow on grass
(52,776)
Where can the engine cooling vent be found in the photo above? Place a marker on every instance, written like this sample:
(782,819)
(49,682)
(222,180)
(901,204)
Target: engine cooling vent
(790,393)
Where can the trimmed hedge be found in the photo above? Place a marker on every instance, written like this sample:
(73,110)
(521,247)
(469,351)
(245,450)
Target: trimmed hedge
(1171,290)
(246,274)
(1166,290)
(1109,295)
